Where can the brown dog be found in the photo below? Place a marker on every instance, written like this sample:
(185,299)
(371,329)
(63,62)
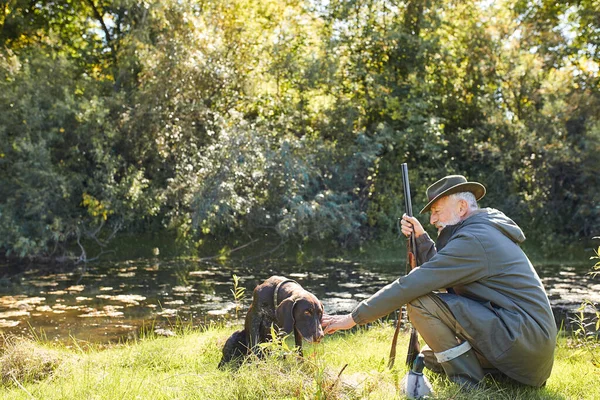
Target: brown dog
(281,302)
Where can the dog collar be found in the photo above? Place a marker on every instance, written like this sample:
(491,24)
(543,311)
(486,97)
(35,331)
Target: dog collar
(280,284)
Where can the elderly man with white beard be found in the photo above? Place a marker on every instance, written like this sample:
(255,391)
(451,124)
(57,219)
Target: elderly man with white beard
(475,298)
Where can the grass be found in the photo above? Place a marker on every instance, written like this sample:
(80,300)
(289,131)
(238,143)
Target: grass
(344,366)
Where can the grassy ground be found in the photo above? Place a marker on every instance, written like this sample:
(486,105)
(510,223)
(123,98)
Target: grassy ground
(344,366)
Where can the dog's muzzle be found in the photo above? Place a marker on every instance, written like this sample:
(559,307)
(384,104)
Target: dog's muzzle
(316,338)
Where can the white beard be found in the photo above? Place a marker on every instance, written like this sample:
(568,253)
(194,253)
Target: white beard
(453,221)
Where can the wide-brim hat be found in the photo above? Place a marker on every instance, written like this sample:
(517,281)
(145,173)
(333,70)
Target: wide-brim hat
(452,184)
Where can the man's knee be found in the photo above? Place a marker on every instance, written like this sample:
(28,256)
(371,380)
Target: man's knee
(424,305)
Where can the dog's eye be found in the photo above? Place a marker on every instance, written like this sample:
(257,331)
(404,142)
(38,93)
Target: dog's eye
(308,312)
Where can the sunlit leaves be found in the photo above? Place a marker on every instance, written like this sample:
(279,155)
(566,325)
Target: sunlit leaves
(95,207)
(224,118)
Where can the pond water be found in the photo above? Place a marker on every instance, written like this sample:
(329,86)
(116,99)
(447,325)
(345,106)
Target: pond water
(112,302)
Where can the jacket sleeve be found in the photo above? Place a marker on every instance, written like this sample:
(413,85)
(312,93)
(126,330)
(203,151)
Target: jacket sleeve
(425,248)
(460,262)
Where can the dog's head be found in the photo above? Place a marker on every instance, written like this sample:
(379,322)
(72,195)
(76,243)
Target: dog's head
(304,312)
(235,348)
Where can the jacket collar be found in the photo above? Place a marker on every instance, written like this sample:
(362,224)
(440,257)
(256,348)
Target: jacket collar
(449,231)
(445,235)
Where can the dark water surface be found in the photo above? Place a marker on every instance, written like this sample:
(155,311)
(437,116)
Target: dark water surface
(111,302)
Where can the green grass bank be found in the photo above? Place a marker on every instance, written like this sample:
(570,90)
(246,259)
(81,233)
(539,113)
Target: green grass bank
(344,366)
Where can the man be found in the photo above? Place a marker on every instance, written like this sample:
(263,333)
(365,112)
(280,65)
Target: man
(495,316)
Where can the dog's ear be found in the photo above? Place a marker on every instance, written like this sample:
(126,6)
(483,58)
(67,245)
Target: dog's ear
(285,315)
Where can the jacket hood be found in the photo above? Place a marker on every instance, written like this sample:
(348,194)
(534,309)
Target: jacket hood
(498,220)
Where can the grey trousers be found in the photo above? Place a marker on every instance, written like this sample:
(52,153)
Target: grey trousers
(436,324)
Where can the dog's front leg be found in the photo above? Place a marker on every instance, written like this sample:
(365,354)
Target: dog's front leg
(298,340)
(254,328)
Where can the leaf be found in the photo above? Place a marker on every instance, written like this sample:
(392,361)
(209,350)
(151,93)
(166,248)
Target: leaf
(576,353)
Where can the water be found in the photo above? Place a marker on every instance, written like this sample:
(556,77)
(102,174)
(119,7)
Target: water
(112,302)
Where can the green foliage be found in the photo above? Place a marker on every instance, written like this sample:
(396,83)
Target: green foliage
(277,346)
(585,337)
(596,266)
(587,327)
(232,118)
(238,293)
(344,366)
(22,361)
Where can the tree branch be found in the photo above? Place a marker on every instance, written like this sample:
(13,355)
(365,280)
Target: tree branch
(281,243)
(100,19)
(83,256)
(230,251)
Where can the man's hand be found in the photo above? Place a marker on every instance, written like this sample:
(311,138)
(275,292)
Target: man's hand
(410,224)
(332,323)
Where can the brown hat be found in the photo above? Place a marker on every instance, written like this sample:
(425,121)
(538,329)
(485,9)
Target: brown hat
(452,184)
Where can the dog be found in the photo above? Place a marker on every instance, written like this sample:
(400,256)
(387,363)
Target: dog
(280,302)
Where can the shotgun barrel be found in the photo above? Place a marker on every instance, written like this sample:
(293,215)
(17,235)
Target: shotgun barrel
(411,262)
(413,345)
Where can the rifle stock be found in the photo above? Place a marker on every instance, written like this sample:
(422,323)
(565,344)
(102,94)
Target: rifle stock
(412,243)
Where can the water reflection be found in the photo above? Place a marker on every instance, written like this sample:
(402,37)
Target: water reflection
(111,302)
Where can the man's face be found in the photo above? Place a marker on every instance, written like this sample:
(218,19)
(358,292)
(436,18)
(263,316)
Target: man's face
(445,211)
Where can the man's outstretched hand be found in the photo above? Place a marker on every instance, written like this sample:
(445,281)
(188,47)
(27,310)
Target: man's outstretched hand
(332,323)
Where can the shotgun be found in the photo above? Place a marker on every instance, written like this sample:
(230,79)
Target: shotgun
(411,262)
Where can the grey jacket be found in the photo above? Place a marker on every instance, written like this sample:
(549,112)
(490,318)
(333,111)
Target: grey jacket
(480,259)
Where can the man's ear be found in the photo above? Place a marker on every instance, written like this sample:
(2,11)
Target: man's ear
(463,207)
(285,315)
